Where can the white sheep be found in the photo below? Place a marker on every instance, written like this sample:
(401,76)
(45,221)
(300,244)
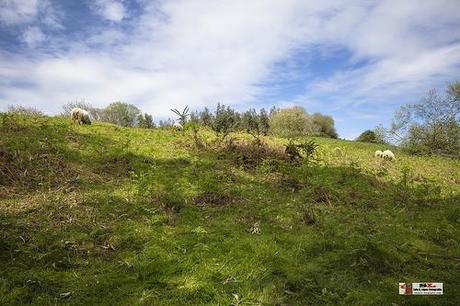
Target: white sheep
(80,115)
(387,154)
(378,153)
(178,126)
(337,151)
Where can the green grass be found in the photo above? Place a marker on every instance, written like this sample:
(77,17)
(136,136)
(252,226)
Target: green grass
(107,215)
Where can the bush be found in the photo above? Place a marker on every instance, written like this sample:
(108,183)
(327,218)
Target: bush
(369,136)
(122,114)
(294,151)
(293,122)
(325,124)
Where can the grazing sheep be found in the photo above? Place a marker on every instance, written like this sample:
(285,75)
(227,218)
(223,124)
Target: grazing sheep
(378,153)
(337,151)
(387,154)
(80,115)
(178,126)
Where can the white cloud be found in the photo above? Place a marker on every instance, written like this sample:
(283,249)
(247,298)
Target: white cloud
(112,10)
(18,11)
(33,36)
(203,51)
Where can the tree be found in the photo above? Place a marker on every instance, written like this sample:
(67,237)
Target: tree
(206,117)
(292,122)
(145,121)
(122,114)
(368,136)
(430,126)
(325,125)
(255,123)
(225,120)
(264,122)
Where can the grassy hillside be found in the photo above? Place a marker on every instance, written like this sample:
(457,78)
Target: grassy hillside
(107,215)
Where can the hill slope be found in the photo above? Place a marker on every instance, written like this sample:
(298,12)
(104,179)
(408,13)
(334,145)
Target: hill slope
(107,215)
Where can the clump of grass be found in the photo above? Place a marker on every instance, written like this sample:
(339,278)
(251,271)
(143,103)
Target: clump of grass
(322,195)
(170,203)
(309,216)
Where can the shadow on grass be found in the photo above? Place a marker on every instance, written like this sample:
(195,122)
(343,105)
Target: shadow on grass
(169,231)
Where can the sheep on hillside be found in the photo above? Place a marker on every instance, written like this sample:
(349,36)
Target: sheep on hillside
(338,151)
(178,126)
(387,154)
(80,115)
(378,153)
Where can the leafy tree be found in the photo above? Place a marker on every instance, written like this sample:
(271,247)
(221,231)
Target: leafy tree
(430,126)
(254,123)
(325,124)
(369,136)
(264,122)
(122,114)
(225,120)
(145,121)
(292,122)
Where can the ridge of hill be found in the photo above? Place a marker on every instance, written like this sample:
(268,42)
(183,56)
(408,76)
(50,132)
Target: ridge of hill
(102,214)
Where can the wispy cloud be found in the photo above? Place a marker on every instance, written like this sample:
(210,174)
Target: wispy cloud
(112,10)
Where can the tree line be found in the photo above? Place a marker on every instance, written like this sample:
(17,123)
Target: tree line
(287,122)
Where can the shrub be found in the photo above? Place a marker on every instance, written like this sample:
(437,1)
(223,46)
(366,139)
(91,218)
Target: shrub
(292,122)
(325,125)
(121,113)
(294,150)
(225,120)
(369,136)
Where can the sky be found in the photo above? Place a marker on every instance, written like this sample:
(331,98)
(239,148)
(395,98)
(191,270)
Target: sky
(357,61)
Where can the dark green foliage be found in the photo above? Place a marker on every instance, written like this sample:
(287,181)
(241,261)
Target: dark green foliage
(254,123)
(325,124)
(145,121)
(298,151)
(369,136)
(225,120)
(206,117)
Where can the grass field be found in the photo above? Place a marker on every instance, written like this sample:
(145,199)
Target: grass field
(107,215)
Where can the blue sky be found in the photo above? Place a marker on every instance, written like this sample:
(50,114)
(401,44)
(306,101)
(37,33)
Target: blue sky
(355,60)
